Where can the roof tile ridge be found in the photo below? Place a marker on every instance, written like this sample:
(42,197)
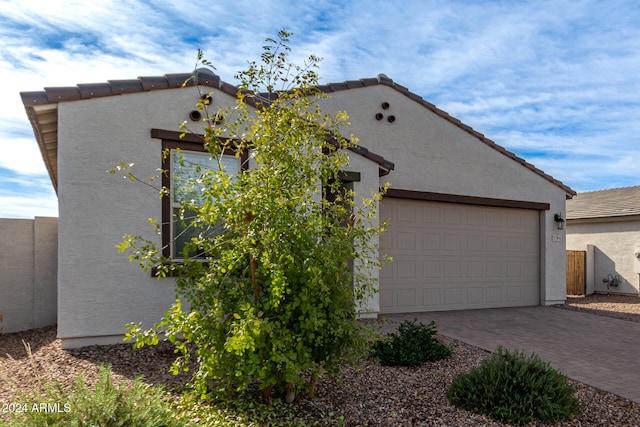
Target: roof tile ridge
(57,94)
(600,190)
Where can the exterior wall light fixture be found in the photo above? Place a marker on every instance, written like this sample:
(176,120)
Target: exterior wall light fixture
(559,221)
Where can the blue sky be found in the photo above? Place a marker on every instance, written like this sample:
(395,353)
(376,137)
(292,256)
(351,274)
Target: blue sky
(556,82)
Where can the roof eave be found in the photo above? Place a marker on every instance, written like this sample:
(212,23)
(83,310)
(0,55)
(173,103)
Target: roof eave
(46,134)
(600,219)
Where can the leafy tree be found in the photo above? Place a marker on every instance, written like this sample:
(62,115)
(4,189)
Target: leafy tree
(287,247)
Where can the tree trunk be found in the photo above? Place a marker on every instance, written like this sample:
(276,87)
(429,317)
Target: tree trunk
(312,384)
(267,393)
(290,396)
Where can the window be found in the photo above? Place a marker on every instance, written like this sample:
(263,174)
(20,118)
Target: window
(186,166)
(176,232)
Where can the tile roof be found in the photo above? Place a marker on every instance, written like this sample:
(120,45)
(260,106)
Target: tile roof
(615,202)
(41,107)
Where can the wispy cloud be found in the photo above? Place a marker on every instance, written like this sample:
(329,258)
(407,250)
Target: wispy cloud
(554,81)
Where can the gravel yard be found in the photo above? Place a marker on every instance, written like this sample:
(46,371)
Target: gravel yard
(366,395)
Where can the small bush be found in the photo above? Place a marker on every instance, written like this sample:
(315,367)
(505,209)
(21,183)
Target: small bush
(108,405)
(516,389)
(413,345)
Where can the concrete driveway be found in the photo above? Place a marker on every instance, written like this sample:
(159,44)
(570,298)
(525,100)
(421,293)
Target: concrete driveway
(595,350)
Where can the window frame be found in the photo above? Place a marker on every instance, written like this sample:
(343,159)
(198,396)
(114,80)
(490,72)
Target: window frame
(172,140)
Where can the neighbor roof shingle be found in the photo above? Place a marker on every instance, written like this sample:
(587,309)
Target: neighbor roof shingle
(615,202)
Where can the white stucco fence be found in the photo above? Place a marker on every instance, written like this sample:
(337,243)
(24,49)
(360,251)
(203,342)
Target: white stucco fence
(29,266)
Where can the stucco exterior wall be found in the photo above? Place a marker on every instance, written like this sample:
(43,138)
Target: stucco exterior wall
(29,273)
(615,244)
(364,189)
(432,154)
(100,290)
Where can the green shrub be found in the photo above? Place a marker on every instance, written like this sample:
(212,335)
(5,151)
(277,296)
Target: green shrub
(413,345)
(516,389)
(107,405)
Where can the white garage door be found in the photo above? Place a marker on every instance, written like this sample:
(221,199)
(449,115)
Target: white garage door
(449,256)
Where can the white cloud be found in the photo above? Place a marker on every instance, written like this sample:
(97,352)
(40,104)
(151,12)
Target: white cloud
(554,80)
(28,206)
(21,155)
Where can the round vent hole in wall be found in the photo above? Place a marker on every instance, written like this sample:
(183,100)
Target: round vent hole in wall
(195,116)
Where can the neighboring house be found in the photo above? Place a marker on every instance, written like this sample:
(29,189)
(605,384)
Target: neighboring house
(471,224)
(606,225)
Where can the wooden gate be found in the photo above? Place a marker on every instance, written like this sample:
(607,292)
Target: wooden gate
(576,280)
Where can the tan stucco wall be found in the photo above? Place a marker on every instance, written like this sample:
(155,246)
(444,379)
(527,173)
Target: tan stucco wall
(615,244)
(432,154)
(100,290)
(364,189)
(29,273)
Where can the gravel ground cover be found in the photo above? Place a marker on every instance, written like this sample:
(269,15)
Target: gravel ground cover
(364,395)
(623,307)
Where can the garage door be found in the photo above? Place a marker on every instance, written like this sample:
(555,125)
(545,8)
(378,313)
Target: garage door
(449,256)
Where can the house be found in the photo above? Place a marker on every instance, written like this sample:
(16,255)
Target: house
(606,225)
(471,224)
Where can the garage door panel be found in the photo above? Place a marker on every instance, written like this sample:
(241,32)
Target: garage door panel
(494,244)
(386,300)
(475,269)
(432,297)
(476,219)
(452,242)
(530,294)
(514,294)
(407,269)
(475,243)
(431,215)
(406,241)
(452,296)
(431,269)
(451,257)
(406,298)
(492,295)
(530,245)
(406,214)
(452,216)
(476,295)
(530,270)
(431,241)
